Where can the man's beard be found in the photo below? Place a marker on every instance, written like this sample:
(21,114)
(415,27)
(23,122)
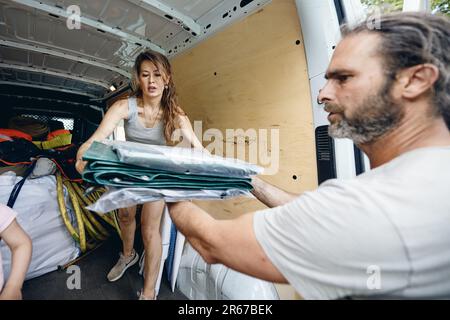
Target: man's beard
(371,119)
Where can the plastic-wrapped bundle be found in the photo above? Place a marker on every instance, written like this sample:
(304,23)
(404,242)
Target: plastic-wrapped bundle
(181,160)
(126,197)
(128,164)
(138,173)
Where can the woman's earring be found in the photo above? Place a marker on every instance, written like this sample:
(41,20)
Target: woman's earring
(166,87)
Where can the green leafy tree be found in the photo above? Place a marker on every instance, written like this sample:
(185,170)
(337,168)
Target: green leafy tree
(442,6)
(384,5)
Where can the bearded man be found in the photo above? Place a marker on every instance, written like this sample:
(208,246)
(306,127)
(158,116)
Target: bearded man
(384,233)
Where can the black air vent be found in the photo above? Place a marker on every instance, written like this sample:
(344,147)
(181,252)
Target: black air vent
(326,164)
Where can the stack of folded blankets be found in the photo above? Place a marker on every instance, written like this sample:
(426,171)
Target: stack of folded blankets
(139,173)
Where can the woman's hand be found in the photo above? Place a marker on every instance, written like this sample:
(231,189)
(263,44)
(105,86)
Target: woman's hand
(80,165)
(117,112)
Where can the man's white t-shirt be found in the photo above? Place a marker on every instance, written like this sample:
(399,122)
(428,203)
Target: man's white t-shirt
(383,234)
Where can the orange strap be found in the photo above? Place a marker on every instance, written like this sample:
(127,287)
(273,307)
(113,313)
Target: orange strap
(14,163)
(15,133)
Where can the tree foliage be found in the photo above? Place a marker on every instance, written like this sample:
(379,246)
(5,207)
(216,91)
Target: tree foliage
(442,6)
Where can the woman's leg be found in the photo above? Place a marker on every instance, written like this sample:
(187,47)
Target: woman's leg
(151,236)
(129,257)
(127,223)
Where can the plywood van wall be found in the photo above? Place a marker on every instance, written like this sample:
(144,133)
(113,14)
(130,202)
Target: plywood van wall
(253,75)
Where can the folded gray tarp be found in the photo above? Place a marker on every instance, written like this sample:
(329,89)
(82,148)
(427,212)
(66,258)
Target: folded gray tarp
(182,160)
(138,173)
(128,164)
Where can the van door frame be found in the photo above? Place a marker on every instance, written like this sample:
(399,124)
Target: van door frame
(320,23)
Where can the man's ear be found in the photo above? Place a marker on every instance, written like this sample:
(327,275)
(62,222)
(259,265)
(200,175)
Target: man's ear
(418,79)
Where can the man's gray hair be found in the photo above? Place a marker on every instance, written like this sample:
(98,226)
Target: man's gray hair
(410,39)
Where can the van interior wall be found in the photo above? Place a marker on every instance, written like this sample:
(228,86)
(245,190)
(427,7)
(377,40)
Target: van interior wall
(253,75)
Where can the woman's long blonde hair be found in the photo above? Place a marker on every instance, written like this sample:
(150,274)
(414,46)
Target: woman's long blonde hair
(169,100)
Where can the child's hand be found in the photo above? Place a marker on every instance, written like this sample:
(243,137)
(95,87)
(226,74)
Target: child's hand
(11,293)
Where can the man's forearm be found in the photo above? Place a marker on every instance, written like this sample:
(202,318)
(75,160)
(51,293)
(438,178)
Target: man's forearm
(196,225)
(270,195)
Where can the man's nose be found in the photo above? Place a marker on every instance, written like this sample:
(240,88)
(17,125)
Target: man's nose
(325,94)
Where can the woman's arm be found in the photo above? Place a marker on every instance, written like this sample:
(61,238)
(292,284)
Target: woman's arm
(20,245)
(117,112)
(188,133)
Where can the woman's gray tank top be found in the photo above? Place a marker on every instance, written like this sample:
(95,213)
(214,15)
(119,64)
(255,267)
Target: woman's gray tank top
(135,130)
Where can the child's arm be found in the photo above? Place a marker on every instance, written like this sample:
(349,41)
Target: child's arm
(20,244)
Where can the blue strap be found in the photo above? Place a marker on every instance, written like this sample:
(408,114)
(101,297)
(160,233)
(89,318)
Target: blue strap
(18,186)
(171,254)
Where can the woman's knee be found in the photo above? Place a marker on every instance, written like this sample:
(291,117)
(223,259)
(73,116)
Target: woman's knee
(149,234)
(151,215)
(150,238)
(127,215)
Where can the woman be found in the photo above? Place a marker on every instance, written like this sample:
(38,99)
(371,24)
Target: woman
(151,115)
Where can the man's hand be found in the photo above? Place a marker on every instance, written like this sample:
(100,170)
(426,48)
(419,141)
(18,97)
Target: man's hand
(11,293)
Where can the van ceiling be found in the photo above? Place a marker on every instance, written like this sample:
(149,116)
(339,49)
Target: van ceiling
(41,46)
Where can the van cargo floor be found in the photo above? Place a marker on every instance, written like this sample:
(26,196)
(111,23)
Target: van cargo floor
(94,285)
